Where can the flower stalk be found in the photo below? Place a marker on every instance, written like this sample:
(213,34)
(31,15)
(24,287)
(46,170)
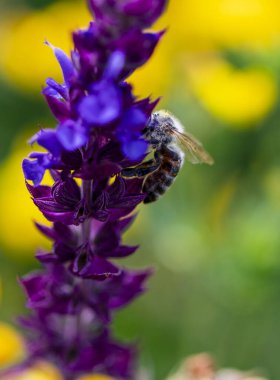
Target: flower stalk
(86,195)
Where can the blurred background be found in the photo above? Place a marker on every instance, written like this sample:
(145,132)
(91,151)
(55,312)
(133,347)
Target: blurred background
(214,237)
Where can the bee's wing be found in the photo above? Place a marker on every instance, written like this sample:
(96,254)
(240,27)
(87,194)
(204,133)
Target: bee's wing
(195,152)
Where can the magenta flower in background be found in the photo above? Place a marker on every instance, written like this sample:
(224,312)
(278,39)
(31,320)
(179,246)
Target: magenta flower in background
(99,133)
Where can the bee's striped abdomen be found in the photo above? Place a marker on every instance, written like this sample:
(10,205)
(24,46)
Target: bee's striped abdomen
(157,183)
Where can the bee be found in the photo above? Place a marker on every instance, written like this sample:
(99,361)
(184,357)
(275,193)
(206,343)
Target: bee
(166,135)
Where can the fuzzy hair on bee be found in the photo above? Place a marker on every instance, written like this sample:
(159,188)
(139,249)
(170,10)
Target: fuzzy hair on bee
(170,144)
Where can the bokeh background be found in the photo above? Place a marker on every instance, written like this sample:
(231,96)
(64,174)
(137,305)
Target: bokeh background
(214,237)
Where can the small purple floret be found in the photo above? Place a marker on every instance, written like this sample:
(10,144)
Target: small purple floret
(102,106)
(72,135)
(47,138)
(33,171)
(65,63)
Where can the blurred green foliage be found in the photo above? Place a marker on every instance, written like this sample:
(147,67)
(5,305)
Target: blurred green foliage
(214,238)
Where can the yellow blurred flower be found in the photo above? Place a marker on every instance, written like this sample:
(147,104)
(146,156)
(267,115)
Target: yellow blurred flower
(11,345)
(240,97)
(17,231)
(25,59)
(42,371)
(208,24)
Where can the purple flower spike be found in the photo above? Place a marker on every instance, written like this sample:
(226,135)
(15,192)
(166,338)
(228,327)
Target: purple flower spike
(99,131)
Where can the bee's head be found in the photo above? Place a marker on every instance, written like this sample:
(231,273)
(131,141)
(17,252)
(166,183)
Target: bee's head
(159,129)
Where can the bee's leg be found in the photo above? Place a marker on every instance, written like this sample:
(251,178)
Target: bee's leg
(141,170)
(144,171)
